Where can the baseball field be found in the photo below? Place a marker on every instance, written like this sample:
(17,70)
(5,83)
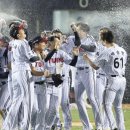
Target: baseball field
(76,125)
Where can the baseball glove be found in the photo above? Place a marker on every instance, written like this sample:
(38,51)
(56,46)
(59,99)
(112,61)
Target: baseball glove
(57,78)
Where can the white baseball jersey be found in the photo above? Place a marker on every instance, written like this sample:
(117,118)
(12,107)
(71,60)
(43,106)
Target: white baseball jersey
(10,87)
(89,40)
(99,50)
(55,64)
(21,53)
(39,66)
(10,51)
(112,61)
(66,68)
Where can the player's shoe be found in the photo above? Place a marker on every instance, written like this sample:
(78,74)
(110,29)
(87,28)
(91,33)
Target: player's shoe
(56,127)
(99,129)
(87,128)
(53,127)
(59,127)
(115,129)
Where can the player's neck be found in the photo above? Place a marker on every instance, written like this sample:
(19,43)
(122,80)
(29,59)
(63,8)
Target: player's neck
(108,45)
(21,38)
(38,53)
(83,35)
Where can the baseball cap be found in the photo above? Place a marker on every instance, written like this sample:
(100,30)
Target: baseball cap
(38,40)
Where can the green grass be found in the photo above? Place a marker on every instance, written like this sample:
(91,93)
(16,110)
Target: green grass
(75,118)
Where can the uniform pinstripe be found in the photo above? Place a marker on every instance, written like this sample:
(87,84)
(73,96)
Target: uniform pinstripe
(39,104)
(53,92)
(21,78)
(85,81)
(101,83)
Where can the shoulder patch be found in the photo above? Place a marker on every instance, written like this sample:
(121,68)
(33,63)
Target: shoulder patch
(117,52)
(122,52)
(112,53)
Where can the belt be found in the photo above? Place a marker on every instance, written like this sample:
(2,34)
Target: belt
(82,68)
(51,83)
(102,74)
(40,82)
(117,75)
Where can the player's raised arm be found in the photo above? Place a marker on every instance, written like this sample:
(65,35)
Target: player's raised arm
(91,47)
(77,41)
(75,52)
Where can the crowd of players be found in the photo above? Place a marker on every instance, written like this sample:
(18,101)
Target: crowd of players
(36,77)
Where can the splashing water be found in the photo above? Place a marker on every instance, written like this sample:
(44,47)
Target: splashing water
(5,19)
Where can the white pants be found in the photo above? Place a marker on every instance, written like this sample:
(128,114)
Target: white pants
(114,95)
(85,80)
(64,98)
(4,95)
(65,105)
(10,86)
(52,105)
(20,110)
(100,88)
(39,107)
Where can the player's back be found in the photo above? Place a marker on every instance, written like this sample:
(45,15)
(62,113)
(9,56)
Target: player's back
(116,58)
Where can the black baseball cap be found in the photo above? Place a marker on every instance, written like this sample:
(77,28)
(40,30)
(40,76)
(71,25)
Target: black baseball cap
(38,40)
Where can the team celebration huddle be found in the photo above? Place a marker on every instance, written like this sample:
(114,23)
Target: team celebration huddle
(36,75)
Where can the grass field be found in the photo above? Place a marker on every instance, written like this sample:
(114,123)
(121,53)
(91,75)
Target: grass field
(76,125)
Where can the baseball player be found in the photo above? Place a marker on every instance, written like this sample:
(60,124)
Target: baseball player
(112,61)
(64,93)
(54,65)
(10,87)
(4,95)
(21,77)
(101,82)
(85,77)
(38,44)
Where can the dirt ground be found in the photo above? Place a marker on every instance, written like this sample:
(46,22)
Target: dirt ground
(126,106)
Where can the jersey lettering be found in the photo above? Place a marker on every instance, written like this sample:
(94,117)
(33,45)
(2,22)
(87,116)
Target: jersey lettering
(56,60)
(39,64)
